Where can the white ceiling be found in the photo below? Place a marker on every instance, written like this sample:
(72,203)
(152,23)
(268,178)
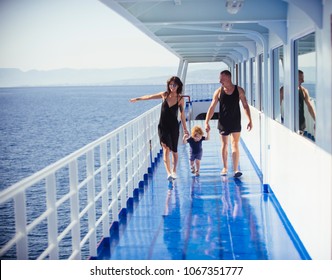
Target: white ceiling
(192,29)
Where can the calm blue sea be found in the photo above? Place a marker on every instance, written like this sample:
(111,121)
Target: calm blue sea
(40,125)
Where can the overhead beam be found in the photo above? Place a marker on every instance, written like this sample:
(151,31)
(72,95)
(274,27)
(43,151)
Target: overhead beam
(313,9)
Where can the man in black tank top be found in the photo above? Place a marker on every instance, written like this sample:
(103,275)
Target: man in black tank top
(229,123)
(304,98)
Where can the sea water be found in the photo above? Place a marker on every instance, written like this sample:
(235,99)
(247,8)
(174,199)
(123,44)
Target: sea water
(40,125)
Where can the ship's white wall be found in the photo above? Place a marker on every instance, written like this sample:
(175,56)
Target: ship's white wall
(300,171)
(253,138)
(300,177)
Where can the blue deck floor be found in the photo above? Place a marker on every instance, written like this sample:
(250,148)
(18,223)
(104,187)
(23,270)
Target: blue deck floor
(205,217)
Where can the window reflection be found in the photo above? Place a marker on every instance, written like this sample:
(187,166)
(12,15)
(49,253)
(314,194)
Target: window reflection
(305,93)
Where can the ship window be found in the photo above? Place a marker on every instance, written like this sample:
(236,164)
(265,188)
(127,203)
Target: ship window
(244,75)
(305,86)
(260,84)
(278,84)
(253,82)
(247,83)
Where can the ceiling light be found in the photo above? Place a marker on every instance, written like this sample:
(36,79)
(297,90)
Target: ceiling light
(233,6)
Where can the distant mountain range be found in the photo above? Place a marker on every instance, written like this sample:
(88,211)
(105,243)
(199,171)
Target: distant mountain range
(11,77)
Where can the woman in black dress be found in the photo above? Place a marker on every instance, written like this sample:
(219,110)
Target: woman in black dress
(168,128)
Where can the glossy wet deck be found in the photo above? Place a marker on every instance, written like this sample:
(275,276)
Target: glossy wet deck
(205,217)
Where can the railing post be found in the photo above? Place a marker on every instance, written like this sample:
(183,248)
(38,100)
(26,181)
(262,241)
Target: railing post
(146,141)
(122,174)
(91,200)
(74,205)
(104,177)
(20,220)
(52,220)
(155,133)
(129,157)
(136,155)
(114,170)
(139,148)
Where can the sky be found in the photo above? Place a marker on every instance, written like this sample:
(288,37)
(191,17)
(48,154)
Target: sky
(78,34)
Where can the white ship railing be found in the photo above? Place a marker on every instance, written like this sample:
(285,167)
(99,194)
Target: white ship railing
(81,194)
(201,91)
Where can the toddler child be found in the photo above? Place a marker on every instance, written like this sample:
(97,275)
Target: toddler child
(196,150)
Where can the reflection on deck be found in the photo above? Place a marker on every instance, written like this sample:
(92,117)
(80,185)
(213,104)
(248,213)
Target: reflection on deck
(205,217)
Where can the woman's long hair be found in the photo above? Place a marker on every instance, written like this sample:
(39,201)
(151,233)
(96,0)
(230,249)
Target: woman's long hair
(177,81)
